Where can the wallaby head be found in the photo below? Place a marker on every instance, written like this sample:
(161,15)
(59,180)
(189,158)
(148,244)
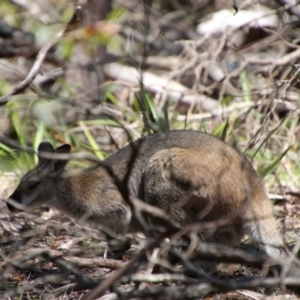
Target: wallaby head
(38,186)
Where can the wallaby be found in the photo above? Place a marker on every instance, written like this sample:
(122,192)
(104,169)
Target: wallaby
(166,168)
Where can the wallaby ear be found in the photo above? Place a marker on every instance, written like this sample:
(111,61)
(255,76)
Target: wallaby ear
(44,147)
(64,149)
(60,164)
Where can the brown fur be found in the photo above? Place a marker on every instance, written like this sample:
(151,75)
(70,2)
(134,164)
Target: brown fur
(191,175)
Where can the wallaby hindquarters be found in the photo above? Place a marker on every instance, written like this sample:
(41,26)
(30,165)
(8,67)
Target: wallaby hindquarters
(191,185)
(191,175)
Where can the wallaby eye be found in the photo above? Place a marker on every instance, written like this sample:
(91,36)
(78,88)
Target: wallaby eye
(32,185)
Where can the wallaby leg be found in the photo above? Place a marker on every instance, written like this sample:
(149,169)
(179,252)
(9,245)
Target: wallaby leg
(115,218)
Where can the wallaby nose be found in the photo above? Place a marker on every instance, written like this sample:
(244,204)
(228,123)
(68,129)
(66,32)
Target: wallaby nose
(15,197)
(11,208)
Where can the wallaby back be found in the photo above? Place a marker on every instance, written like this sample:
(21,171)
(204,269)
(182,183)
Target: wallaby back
(191,175)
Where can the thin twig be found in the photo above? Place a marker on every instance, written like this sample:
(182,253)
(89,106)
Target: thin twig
(33,72)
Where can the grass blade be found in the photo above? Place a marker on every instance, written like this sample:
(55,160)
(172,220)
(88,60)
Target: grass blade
(272,166)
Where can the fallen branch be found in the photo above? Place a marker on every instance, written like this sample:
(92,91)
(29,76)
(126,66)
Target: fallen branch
(157,84)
